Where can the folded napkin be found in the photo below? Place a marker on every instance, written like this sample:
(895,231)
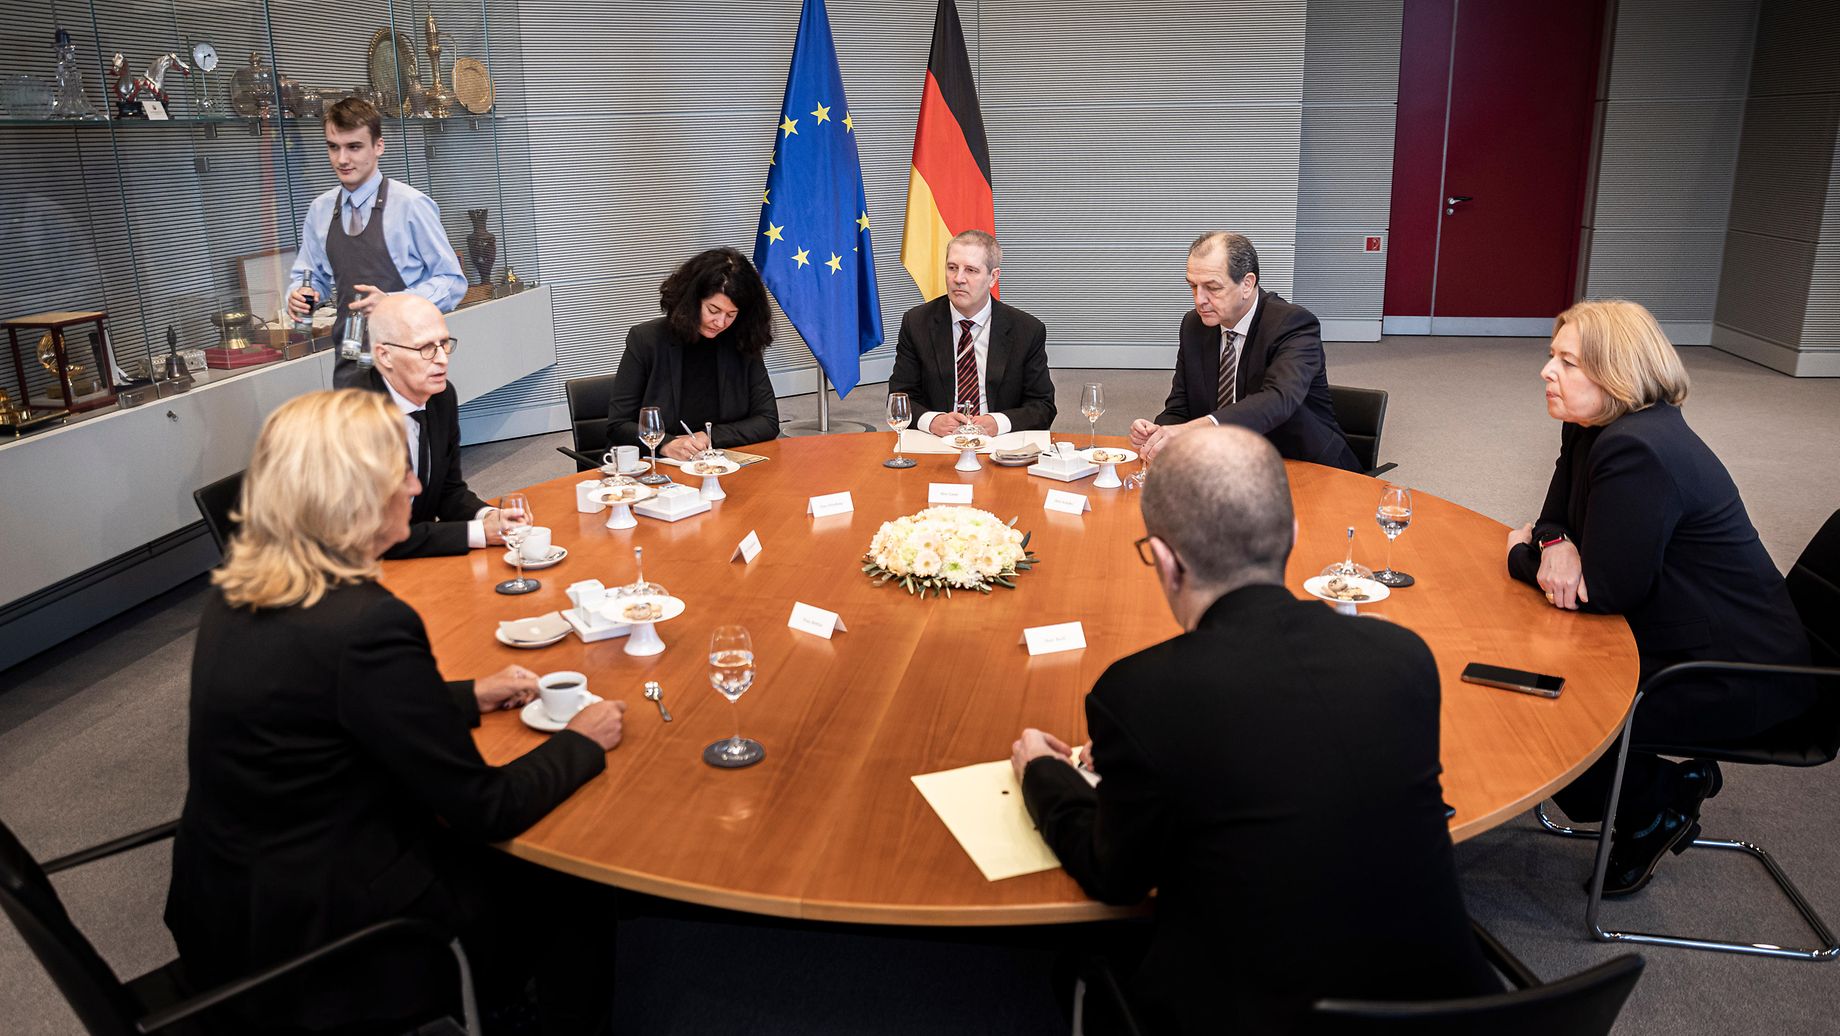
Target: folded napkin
(535,628)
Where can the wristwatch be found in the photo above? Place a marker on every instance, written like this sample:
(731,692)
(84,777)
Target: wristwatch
(1555,541)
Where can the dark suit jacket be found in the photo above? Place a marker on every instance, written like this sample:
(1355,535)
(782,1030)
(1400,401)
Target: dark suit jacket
(1666,543)
(1283,383)
(1274,776)
(1016,376)
(333,780)
(438,517)
(651,374)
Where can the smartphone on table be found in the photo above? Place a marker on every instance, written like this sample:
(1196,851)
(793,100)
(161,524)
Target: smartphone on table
(1542,684)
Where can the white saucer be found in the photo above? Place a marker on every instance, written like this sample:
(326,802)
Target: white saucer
(608,469)
(603,495)
(728,467)
(1376,592)
(500,636)
(1111,452)
(537,719)
(613,609)
(556,554)
(980,442)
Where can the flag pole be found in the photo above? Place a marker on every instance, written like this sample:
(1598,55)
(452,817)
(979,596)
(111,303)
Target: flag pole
(822,426)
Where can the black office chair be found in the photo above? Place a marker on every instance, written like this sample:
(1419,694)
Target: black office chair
(1362,414)
(588,399)
(1586,1004)
(161,1000)
(1808,740)
(215,502)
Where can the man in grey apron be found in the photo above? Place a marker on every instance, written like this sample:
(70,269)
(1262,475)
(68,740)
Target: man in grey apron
(369,236)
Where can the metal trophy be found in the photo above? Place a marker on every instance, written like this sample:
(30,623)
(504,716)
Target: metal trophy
(204,58)
(252,89)
(69,101)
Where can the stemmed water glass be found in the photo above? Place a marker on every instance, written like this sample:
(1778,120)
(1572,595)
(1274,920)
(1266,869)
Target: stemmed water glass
(731,672)
(514,524)
(651,433)
(900,415)
(1092,404)
(1394,513)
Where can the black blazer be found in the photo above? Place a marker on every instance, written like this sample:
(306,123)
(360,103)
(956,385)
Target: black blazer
(334,783)
(438,517)
(1283,383)
(1016,375)
(651,374)
(1666,543)
(1274,776)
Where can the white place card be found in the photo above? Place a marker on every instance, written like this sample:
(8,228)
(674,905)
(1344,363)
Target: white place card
(1066,503)
(947,493)
(830,503)
(749,548)
(815,621)
(1063,636)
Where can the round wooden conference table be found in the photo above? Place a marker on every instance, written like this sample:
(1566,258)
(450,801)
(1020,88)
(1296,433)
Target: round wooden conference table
(829,826)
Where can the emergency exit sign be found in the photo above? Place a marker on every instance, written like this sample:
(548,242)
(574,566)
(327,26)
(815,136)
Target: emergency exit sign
(1372,244)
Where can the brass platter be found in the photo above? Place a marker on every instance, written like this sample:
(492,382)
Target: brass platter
(473,85)
(391,60)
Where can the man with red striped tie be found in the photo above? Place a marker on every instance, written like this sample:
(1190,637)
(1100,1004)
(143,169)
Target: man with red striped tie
(967,359)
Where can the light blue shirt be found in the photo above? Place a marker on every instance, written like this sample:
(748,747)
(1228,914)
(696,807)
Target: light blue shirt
(412,232)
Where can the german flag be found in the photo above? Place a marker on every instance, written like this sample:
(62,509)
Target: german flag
(948,190)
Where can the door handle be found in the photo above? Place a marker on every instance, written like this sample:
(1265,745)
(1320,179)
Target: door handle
(1455,198)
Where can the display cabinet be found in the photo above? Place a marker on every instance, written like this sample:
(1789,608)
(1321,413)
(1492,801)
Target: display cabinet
(167,189)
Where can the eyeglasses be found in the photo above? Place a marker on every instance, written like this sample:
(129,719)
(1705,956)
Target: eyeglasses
(1143,553)
(446,345)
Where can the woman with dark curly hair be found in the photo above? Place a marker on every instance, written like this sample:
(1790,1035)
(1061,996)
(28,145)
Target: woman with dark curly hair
(701,361)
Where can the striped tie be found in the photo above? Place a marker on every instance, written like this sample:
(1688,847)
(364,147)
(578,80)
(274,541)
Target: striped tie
(967,369)
(1229,371)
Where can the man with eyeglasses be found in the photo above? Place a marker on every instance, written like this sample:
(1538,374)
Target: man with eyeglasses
(1272,772)
(410,346)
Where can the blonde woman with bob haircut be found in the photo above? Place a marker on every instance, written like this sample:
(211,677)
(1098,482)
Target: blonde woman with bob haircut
(1641,520)
(334,781)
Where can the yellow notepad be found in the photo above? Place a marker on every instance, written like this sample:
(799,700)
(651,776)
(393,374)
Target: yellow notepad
(982,806)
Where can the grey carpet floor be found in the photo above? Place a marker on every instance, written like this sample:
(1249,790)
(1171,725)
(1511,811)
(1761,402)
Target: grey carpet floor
(92,746)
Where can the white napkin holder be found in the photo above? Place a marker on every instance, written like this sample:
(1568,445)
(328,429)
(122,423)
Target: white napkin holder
(590,623)
(1063,464)
(673,502)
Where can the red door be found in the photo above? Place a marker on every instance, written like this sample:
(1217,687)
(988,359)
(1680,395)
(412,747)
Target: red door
(1508,146)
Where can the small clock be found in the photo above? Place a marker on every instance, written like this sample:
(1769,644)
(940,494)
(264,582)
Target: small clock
(205,56)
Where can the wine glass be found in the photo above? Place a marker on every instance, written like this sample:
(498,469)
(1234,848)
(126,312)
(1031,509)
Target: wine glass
(900,415)
(968,409)
(1092,404)
(1347,567)
(731,671)
(1394,513)
(651,433)
(514,524)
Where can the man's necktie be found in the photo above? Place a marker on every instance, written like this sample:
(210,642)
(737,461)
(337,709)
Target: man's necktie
(967,369)
(423,455)
(354,220)
(1229,371)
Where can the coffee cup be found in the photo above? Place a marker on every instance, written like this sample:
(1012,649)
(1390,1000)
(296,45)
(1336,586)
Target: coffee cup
(536,544)
(627,457)
(584,500)
(563,694)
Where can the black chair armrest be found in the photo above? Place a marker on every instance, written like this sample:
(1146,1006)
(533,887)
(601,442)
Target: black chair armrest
(1680,668)
(107,849)
(1505,962)
(399,926)
(582,460)
(1383,469)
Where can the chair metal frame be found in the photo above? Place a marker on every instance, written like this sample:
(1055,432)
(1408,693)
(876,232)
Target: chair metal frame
(190,1007)
(1380,427)
(1830,948)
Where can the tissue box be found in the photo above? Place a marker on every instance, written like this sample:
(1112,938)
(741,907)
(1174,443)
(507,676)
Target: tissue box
(1063,469)
(673,502)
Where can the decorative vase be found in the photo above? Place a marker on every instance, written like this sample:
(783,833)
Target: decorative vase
(481,246)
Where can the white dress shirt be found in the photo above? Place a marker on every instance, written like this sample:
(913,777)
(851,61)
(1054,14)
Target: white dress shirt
(1240,329)
(980,346)
(475,529)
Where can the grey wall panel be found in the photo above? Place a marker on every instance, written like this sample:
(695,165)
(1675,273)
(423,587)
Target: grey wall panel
(1345,166)
(1763,287)
(1671,114)
(1786,163)
(1797,37)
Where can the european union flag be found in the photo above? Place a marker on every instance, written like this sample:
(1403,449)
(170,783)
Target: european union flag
(813,249)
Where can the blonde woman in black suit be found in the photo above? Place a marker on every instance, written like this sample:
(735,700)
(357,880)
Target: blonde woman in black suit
(1641,520)
(334,782)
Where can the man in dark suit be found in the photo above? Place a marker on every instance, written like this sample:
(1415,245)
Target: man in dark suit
(1246,357)
(966,349)
(410,346)
(1272,773)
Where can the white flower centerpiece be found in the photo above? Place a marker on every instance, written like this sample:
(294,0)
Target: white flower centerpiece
(942,549)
